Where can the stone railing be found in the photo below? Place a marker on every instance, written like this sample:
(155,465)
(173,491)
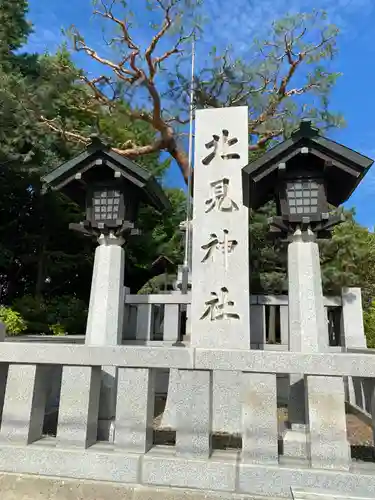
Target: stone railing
(256,466)
(165,317)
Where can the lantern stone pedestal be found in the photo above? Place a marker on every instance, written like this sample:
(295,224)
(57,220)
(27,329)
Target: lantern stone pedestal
(104,324)
(308,329)
(106,310)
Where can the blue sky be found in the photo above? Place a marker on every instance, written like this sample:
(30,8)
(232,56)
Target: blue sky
(236,22)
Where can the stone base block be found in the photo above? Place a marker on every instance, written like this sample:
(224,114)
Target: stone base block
(302,494)
(213,474)
(160,468)
(295,443)
(227,402)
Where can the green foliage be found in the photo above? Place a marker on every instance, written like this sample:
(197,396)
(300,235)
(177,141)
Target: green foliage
(369,324)
(287,78)
(65,313)
(45,269)
(15,324)
(68,312)
(158,284)
(348,259)
(160,236)
(57,330)
(14,28)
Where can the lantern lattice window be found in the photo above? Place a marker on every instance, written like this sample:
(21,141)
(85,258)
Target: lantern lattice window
(106,204)
(303,196)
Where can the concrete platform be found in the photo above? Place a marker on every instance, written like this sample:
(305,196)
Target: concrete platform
(28,487)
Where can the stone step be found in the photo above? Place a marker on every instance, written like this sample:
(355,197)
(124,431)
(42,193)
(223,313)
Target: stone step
(305,494)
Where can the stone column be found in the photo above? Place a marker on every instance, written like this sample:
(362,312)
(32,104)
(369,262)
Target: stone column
(308,329)
(171,327)
(353,333)
(106,310)
(259,419)
(328,446)
(144,322)
(79,405)
(24,403)
(194,407)
(220,311)
(135,409)
(353,337)
(105,319)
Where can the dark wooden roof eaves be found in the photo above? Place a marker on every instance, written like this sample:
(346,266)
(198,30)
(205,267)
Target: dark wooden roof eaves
(344,158)
(133,172)
(278,152)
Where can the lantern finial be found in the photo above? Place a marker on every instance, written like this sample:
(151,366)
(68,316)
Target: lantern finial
(305,129)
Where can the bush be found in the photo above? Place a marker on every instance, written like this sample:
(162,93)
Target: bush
(13,321)
(34,312)
(369,324)
(69,313)
(57,329)
(59,315)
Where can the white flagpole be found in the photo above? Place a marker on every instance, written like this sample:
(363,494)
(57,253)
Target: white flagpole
(185,270)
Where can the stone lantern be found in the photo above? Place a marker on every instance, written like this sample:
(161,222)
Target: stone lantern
(305,175)
(110,189)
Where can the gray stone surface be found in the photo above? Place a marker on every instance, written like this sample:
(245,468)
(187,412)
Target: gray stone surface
(226,402)
(308,331)
(169,471)
(135,409)
(284,325)
(76,355)
(27,487)
(278,481)
(159,298)
(335,364)
(74,463)
(107,403)
(169,418)
(144,322)
(295,441)
(194,414)
(220,281)
(79,406)
(106,308)
(222,473)
(297,401)
(302,494)
(24,403)
(259,418)
(171,325)
(328,445)
(352,319)
(257,325)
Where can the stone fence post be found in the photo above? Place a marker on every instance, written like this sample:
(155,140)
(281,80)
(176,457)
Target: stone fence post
(352,329)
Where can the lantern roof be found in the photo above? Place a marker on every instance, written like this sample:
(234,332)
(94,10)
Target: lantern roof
(341,167)
(70,176)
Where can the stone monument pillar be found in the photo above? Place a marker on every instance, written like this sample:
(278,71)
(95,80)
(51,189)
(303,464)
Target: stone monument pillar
(308,329)
(220,315)
(105,319)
